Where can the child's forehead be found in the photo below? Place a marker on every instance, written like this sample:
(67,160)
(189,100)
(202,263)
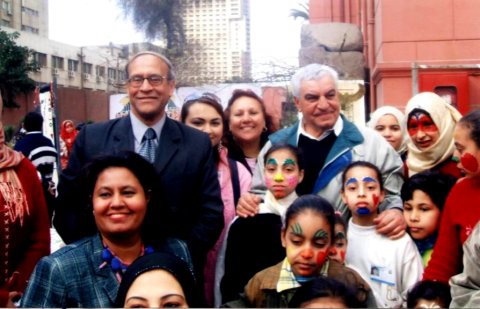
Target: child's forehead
(361,173)
(282,153)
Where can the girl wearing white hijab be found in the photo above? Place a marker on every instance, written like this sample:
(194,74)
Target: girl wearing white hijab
(430,125)
(390,123)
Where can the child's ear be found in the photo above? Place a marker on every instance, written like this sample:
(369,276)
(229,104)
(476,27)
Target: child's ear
(284,236)
(300,176)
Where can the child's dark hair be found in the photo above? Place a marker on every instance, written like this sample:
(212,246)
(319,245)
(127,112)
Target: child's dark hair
(429,290)
(433,183)
(295,151)
(322,287)
(314,203)
(362,164)
(339,220)
(471,121)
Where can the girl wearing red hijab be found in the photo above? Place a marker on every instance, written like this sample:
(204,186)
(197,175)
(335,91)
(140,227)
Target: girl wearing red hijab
(67,137)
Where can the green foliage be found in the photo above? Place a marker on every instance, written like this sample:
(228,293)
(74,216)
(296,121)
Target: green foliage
(15,63)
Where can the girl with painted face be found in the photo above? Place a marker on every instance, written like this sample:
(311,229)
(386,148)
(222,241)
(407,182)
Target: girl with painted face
(423,197)
(259,234)
(430,126)
(307,237)
(391,266)
(462,207)
(338,250)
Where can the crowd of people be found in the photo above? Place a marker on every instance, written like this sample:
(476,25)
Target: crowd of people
(218,210)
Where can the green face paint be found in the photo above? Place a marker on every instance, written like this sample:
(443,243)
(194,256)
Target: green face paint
(340,235)
(272,161)
(289,162)
(297,229)
(320,234)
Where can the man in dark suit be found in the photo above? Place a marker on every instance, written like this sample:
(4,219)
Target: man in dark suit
(182,158)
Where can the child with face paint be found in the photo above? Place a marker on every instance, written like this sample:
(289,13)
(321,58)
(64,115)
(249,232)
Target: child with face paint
(462,207)
(306,236)
(338,249)
(391,266)
(253,243)
(430,126)
(423,197)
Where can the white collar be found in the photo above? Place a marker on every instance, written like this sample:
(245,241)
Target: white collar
(139,128)
(337,129)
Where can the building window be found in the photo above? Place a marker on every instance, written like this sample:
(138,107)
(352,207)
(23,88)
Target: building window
(87,68)
(29,29)
(7,7)
(57,62)
(40,59)
(29,11)
(100,71)
(5,23)
(112,73)
(72,65)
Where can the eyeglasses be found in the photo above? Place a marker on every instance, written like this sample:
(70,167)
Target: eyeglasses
(196,96)
(154,80)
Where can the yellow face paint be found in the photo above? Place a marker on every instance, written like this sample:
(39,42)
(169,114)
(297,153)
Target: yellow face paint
(278,177)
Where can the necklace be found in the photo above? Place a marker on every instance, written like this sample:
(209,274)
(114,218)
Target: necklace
(118,266)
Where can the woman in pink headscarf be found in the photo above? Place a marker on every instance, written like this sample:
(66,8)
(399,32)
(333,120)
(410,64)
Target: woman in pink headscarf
(67,137)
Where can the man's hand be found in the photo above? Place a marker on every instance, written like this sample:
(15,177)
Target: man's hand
(248,205)
(391,223)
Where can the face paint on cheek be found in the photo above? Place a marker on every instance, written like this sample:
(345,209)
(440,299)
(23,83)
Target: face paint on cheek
(292,181)
(469,162)
(375,198)
(321,257)
(342,255)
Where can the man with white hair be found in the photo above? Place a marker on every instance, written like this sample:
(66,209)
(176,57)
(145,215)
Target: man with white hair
(330,142)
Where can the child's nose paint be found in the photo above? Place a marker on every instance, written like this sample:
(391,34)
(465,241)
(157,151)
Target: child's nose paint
(278,177)
(469,162)
(308,253)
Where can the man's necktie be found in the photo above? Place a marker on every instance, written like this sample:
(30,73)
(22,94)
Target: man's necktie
(147,148)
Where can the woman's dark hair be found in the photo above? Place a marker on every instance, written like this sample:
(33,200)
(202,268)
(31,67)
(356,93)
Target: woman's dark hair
(295,151)
(471,121)
(314,203)
(173,264)
(235,152)
(362,164)
(323,287)
(429,290)
(433,183)
(147,177)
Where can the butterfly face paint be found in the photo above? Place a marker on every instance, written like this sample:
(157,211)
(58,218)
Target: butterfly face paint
(362,192)
(307,242)
(281,173)
(422,130)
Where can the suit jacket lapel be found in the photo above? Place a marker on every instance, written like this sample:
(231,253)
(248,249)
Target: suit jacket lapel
(169,144)
(119,141)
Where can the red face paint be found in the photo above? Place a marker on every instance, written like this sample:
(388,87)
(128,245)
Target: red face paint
(342,255)
(469,162)
(321,257)
(420,122)
(307,254)
(375,199)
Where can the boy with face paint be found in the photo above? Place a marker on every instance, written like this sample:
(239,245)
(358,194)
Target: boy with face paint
(391,266)
(462,207)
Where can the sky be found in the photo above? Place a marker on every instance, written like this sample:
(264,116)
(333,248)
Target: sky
(275,36)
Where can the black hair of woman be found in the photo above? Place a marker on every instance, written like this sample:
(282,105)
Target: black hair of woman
(173,264)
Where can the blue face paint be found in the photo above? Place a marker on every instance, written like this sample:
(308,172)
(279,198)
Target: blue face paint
(351,180)
(369,179)
(363,211)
